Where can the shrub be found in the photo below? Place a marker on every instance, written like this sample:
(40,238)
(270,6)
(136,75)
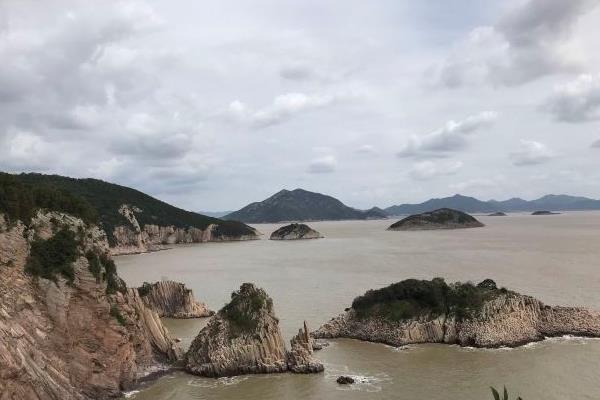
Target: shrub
(114,312)
(96,263)
(56,255)
(244,308)
(145,289)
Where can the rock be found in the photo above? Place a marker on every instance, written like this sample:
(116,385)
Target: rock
(544,213)
(244,338)
(444,218)
(497,214)
(72,339)
(319,345)
(173,300)
(345,380)
(504,318)
(295,232)
(300,359)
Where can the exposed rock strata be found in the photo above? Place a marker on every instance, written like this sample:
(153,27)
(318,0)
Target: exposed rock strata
(244,338)
(173,300)
(61,340)
(444,218)
(133,238)
(510,319)
(295,232)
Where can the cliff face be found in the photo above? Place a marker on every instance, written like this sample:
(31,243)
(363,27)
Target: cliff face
(295,232)
(84,337)
(134,238)
(509,320)
(244,338)
(173,300)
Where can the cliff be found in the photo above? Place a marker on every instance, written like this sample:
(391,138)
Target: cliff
(69,327)
(444,218)
(295,232)
(244,338)
(173,300)
(481,316)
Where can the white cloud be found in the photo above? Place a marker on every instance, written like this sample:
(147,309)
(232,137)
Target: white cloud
(322,165)
(426,170)
(452,137)
(531,152)
(530,41)
(366,149)
(596,144)
(576,101)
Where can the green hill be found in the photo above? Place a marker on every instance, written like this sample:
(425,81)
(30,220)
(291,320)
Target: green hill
(96,200)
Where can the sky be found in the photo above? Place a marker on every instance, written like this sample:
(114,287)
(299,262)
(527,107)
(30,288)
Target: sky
(212,105)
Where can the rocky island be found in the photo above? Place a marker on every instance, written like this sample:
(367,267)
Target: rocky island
(295,232)
(173,300)
(497,214)
(444,218)
(420,311)
(544,213)
(244,338)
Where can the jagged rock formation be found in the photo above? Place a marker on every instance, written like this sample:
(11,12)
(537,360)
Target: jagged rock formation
(300,357)
(295,232)
(503,318)
(81,334)
(173,300)
(444,218)
(244,338)
(133,238)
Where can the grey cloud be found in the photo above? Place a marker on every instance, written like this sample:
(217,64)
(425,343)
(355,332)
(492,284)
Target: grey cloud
(531,152)
(596,144)
(426,170)
(525,44)
(322,165)
(576,101)
(452,137)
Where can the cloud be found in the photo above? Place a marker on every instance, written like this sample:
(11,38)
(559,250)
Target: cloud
(426,170)
(452,137)
(366,149)
(297,72)
(531,153)
(576,101)
(596,144)
(284,107)
(528,42)
(322,165)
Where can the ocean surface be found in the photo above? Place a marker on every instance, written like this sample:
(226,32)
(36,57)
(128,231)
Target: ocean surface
(555,258)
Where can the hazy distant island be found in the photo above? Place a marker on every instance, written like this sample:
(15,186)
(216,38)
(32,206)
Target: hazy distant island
(133,221)
(443,218)
(497,214)
(544,213)
(301,205)
(483,315)
(295,232)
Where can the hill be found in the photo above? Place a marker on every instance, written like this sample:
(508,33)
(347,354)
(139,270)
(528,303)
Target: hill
(300,205)
(473,205)
(157,222)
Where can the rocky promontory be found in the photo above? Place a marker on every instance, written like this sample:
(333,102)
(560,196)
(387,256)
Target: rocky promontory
(244,338)
(173,300)
(69,327)
(444,218)
(295,232)
(482,315)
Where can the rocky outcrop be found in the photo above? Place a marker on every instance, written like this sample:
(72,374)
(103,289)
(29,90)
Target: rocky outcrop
(88,337)
(295,232)
(173,300)
(508,319)
(300,357)
(134,238)
(444,218)
(244,338)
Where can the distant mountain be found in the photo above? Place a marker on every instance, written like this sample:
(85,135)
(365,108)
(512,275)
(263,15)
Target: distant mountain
(215,214)
(300,205)
(473,205)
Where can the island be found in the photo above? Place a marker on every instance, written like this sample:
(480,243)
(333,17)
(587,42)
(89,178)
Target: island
(432,311)
(444,218)
(295,232)
(497,214)
(244,338)
(544,213)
